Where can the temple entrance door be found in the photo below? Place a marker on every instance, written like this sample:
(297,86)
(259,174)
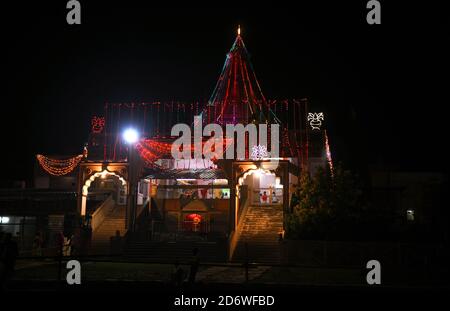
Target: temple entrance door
(264,187)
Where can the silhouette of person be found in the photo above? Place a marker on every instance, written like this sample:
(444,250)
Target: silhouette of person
(264,197)
(8,255)
(37,245)
(116,244)
(178,274)
(60,243)
(194,266)
(274,198)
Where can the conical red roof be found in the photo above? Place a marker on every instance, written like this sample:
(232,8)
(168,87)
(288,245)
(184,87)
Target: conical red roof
(237,97)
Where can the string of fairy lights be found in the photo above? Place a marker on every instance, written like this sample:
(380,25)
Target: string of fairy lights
(150,150)
(59,167)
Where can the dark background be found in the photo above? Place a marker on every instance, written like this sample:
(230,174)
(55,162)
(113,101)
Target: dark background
(380,86)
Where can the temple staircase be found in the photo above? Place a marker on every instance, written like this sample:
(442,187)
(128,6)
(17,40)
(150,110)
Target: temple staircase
(259,235)
(101,237)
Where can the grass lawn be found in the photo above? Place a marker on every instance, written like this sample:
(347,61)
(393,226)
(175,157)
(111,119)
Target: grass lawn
(105,271)
(312,276)
(99,271)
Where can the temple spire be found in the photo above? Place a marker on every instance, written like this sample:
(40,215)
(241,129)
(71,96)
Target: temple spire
(237,96)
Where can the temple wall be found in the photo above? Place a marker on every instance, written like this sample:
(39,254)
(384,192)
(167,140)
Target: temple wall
(219,216)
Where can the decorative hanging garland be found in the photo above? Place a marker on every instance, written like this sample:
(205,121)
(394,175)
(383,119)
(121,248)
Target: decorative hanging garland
(57,167)
(151,150)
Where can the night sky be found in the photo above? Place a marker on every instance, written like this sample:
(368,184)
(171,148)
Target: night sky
(380,86)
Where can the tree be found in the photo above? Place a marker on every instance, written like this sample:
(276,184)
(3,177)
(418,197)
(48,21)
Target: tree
(328,206)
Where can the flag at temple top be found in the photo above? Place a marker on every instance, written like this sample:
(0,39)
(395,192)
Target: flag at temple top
(237,96)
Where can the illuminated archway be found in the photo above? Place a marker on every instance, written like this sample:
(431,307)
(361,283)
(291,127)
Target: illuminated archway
(88,182)
(267,190)
(258,171)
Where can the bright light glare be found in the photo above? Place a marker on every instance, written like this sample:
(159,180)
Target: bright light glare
(130,135)
(4,220)
(259,172)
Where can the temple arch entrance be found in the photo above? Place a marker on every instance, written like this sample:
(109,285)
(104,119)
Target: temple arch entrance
(105,176)
(263,187)
(260,209)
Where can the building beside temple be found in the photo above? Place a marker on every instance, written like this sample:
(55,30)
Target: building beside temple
(165,206)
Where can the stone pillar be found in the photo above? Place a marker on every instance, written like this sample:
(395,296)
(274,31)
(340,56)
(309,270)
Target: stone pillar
(133,176)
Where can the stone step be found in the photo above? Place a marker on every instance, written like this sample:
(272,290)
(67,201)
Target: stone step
(260,232)
(102,236)
(107,229)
